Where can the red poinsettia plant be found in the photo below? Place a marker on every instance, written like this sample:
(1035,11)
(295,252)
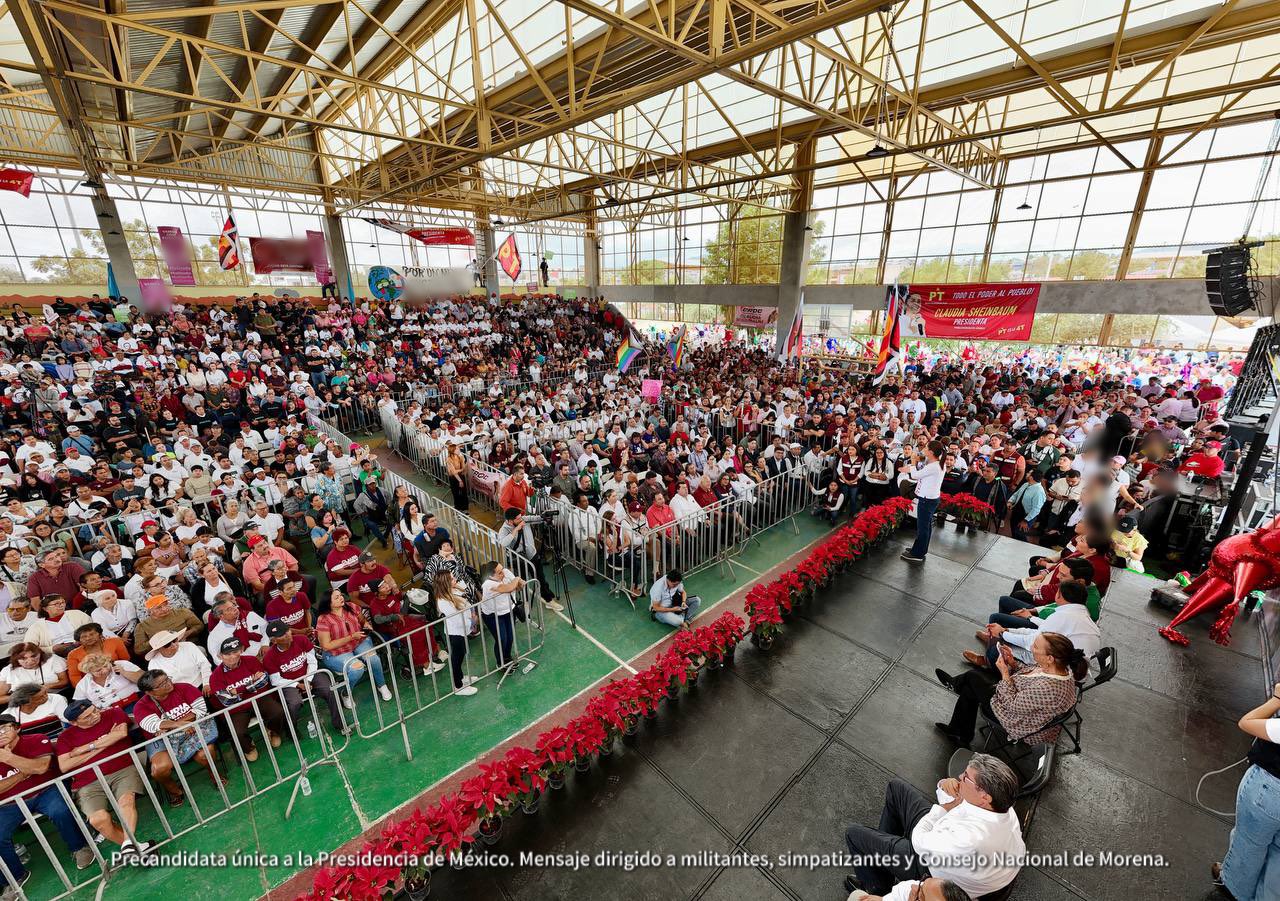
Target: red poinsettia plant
(450,821)
(490,792)
(965,507)
(556,747)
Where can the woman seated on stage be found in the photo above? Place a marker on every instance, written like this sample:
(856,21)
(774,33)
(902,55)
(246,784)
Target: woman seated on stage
(1023,699)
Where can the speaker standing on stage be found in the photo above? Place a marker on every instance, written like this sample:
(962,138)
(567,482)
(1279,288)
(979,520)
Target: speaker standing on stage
(926,472)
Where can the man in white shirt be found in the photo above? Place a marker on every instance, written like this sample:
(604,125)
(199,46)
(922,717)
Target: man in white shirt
(181,661)
(931,889)
(971,836)
(1070,618)
(233,622)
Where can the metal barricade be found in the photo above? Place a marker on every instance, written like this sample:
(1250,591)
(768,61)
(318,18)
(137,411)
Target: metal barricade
(405,663)
(305,743)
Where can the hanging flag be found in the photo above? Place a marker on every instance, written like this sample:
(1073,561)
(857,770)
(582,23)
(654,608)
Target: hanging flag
(795,336)
(431,236)
(229,244)
(176,256)
(113,288)
(509,258)
(676,347)
(630,348)
(16,180)
(890,356)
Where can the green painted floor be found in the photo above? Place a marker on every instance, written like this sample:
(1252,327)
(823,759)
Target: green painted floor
(374,775)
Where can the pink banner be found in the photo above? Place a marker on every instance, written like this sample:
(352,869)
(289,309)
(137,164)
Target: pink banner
(651,389)
(155,295)
(319,257)
(176,255)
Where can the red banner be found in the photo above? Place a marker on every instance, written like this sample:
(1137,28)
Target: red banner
(16,180)
(509,258)
(319,257)
(996,312)
(433,236)
(281,255)
(176,256)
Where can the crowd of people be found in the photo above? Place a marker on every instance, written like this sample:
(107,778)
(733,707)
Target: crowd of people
(178,541)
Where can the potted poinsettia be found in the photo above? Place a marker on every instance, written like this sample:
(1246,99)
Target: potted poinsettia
(608,712)
(765,623)
(556,747)
(587,735)
(798,588)
(651,685)
(451,821)
(361,883)
(492,795)
(728,631)
(524,769)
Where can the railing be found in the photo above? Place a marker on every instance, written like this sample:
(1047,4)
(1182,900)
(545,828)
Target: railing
(303,736)
(415,681)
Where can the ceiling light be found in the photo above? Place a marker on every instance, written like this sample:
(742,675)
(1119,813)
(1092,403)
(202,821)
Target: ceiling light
(1024,206)
(877,152)
(105,215)
(808,228)
(113,232)
(91,183)
(609,201)
(498,223)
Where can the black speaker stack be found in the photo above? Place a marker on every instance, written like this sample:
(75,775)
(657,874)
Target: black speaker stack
(1228,280)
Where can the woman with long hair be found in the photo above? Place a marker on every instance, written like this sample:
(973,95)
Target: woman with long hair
(454,601)
(1023,699)
(30,665)
(342,637)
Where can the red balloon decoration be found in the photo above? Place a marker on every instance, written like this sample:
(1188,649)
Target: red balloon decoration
(1239,564)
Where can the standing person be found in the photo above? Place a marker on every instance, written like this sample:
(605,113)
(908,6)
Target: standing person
(1251,869)
(455,606)
(926,472)
(457,468)
(498,608)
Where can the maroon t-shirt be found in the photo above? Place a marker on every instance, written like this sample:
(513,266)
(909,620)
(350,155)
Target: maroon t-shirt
(185,698)
(31,747)
(292,662)
(236,685)
(293,614)
(75,737)
(366,584)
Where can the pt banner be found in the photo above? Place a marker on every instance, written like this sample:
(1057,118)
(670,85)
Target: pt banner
(996,312)
(16,180)
(176,256)
(431,236)
(281,255)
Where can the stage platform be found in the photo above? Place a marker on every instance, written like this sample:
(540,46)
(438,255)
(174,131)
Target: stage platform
(777,754)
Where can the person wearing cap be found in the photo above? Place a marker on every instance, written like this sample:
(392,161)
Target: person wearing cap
(92,749)
(1128,544)
(229,619)
(26,769)
(1206,463)
(184,661)
(161,617)
(174,716)
(363,583)
(93,640)
(242,688)
(290,662)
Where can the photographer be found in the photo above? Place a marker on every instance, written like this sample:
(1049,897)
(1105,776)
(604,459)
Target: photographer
(669,603)
(516,535)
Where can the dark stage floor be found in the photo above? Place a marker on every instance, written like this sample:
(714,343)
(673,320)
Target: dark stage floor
(779,753)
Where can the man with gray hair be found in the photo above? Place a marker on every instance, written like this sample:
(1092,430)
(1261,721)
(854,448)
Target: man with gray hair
(970,836)
(931,889)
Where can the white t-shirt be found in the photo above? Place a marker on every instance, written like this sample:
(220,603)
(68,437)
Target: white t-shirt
(13,676)
(1273,730)
(928,479)
(116,689)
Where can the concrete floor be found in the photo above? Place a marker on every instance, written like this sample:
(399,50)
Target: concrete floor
(780,752)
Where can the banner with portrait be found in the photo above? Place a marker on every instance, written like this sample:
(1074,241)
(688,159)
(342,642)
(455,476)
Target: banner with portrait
(281,255)
(755,317)
(176,256)
(988,312)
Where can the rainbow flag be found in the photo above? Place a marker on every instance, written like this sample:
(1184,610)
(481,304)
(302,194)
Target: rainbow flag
(628,350)
(675,347)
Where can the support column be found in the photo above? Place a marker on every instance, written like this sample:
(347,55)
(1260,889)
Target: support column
(795,246)
(113,240)
(486,247)
(591,249)
(335,238)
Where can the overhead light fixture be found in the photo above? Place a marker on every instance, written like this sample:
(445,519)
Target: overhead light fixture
(808,228)
(113,232)
(92,183)
(498,223)
(609,201)
(105,215)
(877,152)
(1024,205)
(685,238)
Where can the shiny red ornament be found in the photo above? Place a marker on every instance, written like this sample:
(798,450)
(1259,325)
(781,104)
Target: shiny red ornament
(1239,564)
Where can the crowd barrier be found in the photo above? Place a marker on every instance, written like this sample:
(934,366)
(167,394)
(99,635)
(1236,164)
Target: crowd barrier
(305,743)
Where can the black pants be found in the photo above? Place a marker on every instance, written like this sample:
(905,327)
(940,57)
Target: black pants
(544,587)
(972,689)
(457,654)
(322,687)
(502,628)
(268,709)
(460,499)
(884,857)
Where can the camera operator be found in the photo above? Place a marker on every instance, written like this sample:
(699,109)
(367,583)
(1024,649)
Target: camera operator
(516,535)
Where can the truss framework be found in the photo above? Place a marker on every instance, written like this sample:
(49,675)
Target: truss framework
(348,100)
